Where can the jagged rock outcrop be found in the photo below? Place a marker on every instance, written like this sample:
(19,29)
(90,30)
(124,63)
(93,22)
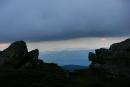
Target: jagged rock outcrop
(21,68)
(113,62)
(17,55)
(13,54)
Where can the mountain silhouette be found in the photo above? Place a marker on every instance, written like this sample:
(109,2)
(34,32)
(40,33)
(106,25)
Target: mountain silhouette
(108,68)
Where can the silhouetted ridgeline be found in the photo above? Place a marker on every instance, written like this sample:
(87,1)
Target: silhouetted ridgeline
(21,68)
(113,62)
(109,68)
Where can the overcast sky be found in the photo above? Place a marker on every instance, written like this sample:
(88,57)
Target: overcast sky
(57,25)
(43,20)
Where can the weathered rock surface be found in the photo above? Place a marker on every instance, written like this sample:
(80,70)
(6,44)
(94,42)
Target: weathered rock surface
(20,68)
(17,55)
(113,62)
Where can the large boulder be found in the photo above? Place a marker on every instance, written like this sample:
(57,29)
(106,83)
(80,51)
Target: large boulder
(17,55)
(20,68)
(113,62)
(31,59)
(13,54)
(122,46)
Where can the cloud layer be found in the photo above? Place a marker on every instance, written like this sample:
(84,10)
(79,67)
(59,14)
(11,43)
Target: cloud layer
(43,20)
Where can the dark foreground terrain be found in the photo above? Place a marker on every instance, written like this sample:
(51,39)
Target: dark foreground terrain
(109,68)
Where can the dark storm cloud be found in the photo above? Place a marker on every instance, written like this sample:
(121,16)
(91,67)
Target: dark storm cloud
(42,20)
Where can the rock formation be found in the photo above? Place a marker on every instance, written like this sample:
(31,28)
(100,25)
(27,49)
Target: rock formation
(21,68)
(17,55)
(113,62)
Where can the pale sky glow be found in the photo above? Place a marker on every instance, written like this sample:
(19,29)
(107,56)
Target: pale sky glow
(3,46)
(81,43)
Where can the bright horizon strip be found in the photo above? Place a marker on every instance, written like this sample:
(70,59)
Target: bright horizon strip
(80,43)
(3,45)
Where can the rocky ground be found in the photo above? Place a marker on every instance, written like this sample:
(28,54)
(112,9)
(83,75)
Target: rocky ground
(109,68)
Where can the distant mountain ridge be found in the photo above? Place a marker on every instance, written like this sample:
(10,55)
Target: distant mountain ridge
(73,67)
(22,68)
(67,57)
